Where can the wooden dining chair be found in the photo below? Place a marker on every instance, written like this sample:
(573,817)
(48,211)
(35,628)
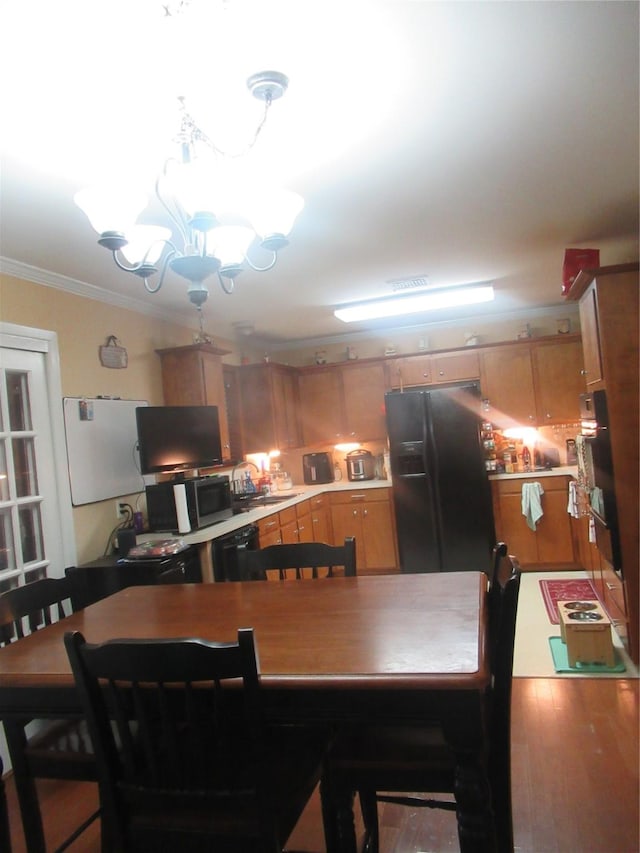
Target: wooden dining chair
(387,763)
(58,749)
(186,761)
(298,560)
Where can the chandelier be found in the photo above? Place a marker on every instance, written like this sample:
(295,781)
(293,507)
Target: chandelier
(216,218)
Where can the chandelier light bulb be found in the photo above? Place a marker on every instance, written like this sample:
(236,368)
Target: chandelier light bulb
(230,244)
(145,243)
(274,211)
(110,207)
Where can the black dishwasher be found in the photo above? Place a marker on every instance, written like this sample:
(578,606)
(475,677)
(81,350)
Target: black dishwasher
(224,551)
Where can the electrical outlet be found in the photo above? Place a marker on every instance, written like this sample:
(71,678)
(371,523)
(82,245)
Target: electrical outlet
(121,510)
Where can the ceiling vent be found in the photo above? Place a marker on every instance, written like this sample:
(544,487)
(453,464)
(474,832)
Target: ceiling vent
(400,285)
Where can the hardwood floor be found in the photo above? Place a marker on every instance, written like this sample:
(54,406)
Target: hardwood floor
(575,781)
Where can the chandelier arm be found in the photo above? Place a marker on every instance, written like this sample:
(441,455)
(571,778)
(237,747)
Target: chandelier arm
(269,266)
(163,272)
(228,288)
(143,263)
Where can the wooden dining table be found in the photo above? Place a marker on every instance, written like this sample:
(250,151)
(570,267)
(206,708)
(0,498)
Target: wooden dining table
(340,651)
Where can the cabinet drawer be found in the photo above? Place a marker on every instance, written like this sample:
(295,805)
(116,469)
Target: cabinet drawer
(269,524)
(319,502)
(287,515)
(359,496)
(302,508)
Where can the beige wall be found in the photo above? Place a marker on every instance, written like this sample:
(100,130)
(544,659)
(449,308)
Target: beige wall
(82,326)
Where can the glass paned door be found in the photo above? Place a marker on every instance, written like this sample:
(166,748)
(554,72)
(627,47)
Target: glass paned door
(28,541)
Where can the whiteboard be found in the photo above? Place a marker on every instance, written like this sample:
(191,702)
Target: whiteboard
(102,450)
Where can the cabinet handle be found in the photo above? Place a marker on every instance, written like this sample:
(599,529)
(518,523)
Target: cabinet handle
(365,512)
(357,497)
(611,586)
(441,373)
(355,512)
(583,372)
(548,415)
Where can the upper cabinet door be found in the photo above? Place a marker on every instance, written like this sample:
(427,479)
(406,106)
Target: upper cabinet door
(591,336)
(363,388)
(455,367)
(269,407)
(321,406)
(558,370)
(506,379)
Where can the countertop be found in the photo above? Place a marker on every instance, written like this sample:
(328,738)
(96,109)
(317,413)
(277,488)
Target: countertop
(296,494)
(561,471)
(301,493)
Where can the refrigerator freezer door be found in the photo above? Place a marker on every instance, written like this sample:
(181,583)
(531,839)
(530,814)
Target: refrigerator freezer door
(416,522)
(442,496)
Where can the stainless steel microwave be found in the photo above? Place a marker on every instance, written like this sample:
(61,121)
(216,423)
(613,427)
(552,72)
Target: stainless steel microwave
(208,502)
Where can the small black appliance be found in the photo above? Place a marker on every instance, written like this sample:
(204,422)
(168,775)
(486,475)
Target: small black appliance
(317,468)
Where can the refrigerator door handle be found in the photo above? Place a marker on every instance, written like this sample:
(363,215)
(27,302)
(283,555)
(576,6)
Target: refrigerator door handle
(431,456)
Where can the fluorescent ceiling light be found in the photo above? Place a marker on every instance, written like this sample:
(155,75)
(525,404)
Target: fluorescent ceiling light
(431,300)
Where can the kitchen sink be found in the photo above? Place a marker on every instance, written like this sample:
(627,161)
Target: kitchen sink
(245,504)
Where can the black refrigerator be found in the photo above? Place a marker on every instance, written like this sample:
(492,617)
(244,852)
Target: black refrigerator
(441,491)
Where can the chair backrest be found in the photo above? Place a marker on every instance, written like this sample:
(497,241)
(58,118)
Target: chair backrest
(27,608)
(188,741)
(292,560)
(504,590)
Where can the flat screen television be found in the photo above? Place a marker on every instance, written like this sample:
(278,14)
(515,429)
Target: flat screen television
(172,439)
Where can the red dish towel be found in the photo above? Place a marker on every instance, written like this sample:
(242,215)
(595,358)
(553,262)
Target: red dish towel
(577,589)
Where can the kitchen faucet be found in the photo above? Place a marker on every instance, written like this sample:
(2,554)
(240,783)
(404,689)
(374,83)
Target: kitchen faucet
(238,465)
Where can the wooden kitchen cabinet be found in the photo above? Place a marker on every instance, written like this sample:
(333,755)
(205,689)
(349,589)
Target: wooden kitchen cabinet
(608,302)
(320,519)
(192,375)
(293,524)
(553,545)
(533,383)
(455,367)
(506,380)
(409,371)
(367,515)
(269,531)
(269,406)
(558,378)
(321,405)
(363,389)
(434,369)
(342,403)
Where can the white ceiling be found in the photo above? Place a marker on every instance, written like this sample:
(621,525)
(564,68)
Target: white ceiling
(463,141)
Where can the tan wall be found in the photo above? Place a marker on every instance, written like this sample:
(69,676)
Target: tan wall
(82,326)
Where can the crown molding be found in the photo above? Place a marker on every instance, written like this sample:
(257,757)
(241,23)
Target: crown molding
(37,275)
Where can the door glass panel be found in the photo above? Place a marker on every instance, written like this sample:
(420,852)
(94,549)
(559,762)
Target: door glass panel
(24,465)
(31,533)
(7,553)
(4,479)
(18,401)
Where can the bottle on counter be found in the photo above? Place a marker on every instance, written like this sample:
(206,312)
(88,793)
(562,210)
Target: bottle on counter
(526,458)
